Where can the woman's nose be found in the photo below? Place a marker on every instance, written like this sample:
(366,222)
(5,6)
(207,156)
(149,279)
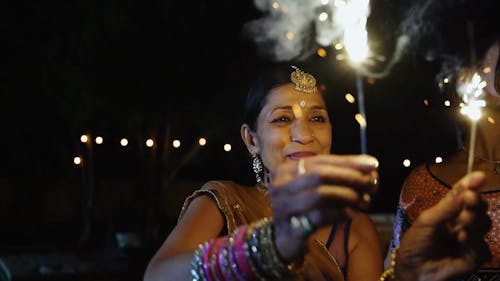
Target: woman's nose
(302,132)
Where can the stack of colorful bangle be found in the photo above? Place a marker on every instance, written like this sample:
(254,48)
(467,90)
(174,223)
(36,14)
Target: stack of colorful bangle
(248,254)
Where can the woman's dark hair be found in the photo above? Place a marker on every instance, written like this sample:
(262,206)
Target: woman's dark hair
(271,77)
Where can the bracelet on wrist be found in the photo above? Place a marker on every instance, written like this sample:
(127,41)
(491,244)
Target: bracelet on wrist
(250,252)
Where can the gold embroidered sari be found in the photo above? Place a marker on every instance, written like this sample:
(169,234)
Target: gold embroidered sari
(243,205)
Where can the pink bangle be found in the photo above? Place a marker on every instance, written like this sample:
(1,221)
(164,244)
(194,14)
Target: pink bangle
(207,247)
(239,254)
(214,262)
(233,265)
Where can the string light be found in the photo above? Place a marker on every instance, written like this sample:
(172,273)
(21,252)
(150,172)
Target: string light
(99,140)
(438,160)
(149,143)
(446,80)
(406,163)
(77,160)
(338,46)
(275,5)
(227,147)
(426,102)
(491,120)
(447,103)
(289,35)
(202,141)
(84,138)
(176,143)
(124,142)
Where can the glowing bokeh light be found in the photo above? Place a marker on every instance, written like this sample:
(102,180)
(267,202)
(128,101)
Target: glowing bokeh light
(77,160)
(84,138)
(321,52)
(361,120)
(176,143)
(124,142)
(350,98)
(323,16)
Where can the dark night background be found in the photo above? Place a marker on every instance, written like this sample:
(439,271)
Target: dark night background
(176,70)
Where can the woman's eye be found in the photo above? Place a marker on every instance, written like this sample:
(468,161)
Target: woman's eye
(318,118)
(280,119)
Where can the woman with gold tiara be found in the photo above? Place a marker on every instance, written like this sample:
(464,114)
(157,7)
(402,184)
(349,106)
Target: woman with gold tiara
(303,219)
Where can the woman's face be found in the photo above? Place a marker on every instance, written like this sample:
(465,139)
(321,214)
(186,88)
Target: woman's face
(291,125)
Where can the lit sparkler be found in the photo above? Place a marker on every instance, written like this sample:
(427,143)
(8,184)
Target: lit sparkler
(352,16)
(470,88)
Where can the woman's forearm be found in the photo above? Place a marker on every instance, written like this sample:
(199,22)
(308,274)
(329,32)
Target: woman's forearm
(173,268)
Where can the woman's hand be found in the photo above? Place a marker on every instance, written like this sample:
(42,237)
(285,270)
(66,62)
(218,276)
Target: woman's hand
(447,240)
(316,191)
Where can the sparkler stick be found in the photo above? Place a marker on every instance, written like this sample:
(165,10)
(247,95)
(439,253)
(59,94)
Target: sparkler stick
(472,95)
(354,17)
(472,145)
(361,117)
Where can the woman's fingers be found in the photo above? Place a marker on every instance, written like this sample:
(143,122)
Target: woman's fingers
(313,171)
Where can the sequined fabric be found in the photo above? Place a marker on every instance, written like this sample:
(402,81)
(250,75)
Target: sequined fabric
(422,190)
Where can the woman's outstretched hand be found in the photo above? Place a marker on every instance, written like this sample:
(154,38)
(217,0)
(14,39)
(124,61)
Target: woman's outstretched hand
(316,191)
(447,240)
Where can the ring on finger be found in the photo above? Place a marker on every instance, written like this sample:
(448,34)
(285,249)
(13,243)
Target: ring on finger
(303,223)
(367,198)
(301,169)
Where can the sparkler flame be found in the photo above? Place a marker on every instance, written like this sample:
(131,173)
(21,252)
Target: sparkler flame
(472,93)
(352,16)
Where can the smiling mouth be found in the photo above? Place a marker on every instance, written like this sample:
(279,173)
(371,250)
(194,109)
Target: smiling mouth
(298,155)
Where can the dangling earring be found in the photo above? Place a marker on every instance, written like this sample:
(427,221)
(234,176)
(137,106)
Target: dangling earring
(257,168)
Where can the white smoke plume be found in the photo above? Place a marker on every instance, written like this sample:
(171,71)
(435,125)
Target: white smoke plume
(293,29)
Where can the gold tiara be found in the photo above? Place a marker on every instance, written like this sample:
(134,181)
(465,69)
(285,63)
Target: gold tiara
(303,81)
